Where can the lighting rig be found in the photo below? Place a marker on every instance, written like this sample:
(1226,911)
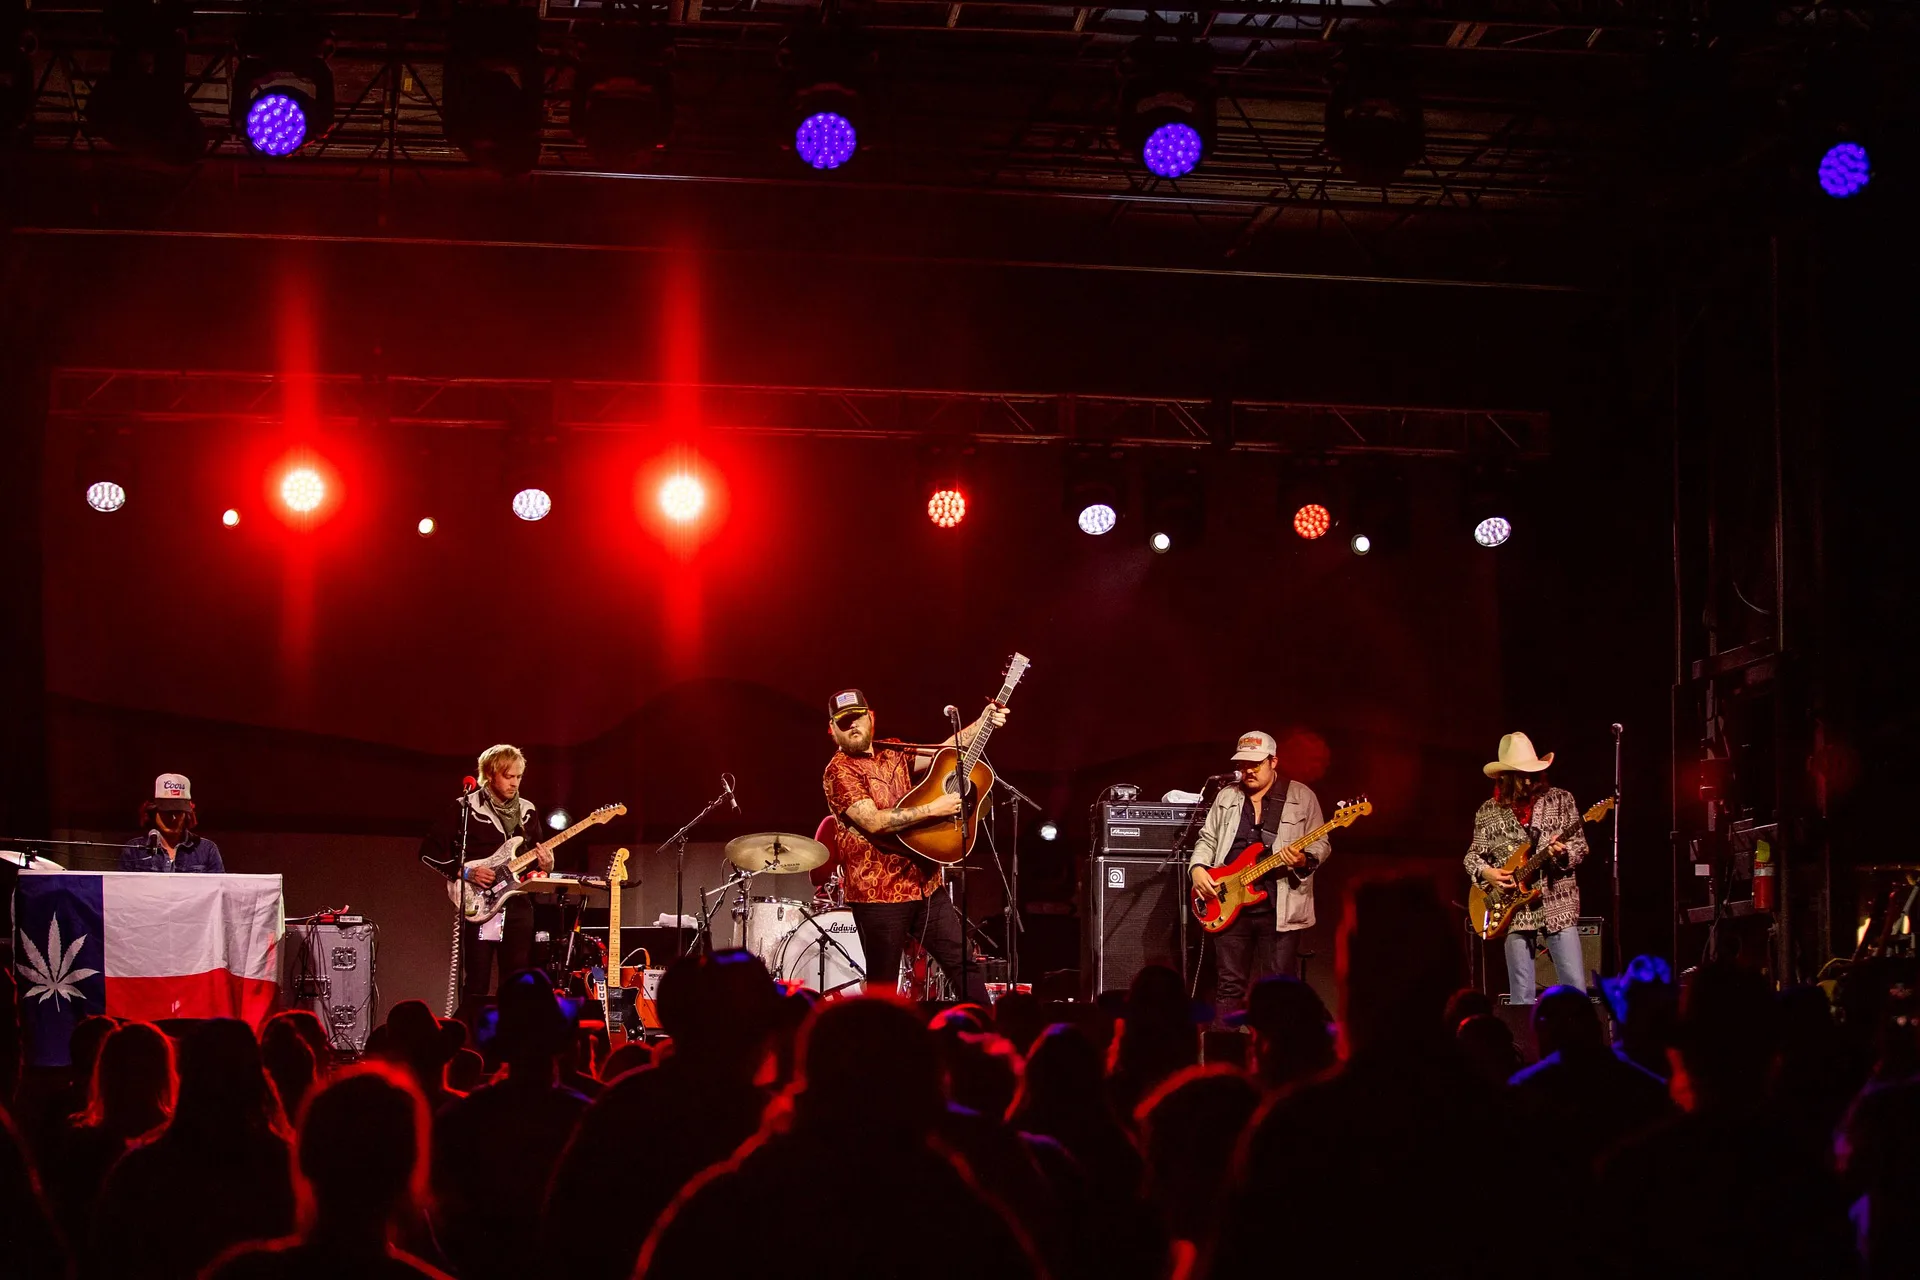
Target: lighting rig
(827,70)
(494,99)
(1168,101)
(622,105)
(282,91)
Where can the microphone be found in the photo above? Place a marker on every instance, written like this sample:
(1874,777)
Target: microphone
(1617,729)
(1233,775)
(467,786)
(153,839)
(726,785)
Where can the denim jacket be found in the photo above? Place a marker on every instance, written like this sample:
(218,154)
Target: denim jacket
(195,853)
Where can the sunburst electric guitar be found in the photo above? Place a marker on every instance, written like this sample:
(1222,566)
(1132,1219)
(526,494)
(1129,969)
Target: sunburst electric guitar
(510,863)
(1491,910)
(947,840)
(1235,887)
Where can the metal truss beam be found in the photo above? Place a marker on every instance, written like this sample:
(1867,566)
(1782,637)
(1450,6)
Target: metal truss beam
(339,401)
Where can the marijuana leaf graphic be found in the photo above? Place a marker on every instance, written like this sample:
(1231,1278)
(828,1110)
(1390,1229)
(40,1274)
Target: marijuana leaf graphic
(56,980)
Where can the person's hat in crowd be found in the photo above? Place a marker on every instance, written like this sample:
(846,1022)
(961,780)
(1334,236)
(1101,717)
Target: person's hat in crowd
(172,791)
(1256,746)
(1517,756)
(847,702)
(1281,1004)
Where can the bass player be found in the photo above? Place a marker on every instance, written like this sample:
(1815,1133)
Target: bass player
(1274,811)
(1523,798)
(892,893)
(491,814)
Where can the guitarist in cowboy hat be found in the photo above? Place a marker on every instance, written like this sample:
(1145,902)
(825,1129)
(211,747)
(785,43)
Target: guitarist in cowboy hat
(1523,799)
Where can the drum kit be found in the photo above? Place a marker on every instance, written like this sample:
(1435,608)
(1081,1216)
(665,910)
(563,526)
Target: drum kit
(811,943)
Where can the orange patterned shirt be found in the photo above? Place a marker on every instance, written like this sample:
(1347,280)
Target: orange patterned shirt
(874,875)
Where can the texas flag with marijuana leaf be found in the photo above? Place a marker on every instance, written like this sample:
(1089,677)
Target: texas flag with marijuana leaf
(142,946)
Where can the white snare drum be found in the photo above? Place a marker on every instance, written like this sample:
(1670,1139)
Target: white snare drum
(828,936)
(769,921)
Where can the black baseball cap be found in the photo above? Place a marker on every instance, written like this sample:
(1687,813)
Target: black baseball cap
(847,702)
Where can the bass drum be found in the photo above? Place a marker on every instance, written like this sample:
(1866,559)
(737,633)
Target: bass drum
(829,937)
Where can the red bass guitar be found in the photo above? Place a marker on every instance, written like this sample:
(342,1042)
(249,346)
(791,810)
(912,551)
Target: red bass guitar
(1235,883)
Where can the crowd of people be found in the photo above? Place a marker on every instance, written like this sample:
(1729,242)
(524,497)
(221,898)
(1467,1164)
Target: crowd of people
(1727,1130)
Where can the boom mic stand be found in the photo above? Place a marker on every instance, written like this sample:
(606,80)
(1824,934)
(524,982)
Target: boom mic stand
(1618,967)
(679,838)
(962,785)
(1015,926)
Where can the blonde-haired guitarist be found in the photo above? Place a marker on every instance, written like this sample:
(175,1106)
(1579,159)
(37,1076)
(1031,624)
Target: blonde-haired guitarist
(1524,801)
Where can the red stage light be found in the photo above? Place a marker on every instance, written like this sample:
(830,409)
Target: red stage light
(1312,521)
(947,507)
(303,490)
(682,498)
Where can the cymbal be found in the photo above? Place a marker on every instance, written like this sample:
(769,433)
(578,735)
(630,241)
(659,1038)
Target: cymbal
(776,852)
(20,860)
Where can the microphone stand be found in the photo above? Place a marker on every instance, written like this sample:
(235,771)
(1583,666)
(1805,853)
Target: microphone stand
(680,866)
(1618,967)
(1015,926)
(963,783)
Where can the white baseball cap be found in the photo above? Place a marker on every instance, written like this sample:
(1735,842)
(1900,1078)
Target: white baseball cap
(175,787)
(1256,746)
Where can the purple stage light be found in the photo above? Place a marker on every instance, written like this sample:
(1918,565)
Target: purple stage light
(1844,170)
(276,125)
(1172,150)
(826,140)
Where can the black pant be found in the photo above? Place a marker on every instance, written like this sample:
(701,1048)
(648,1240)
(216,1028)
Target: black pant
(513,952)
(932,922)
(1248,950)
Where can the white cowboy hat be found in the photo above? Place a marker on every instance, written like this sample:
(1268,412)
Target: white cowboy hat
(1517,756)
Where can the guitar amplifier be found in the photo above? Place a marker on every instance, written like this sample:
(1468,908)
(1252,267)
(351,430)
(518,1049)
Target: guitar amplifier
(329,969)
(1134,826)
(1132,919)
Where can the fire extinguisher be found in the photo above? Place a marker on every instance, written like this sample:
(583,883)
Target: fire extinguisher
(1763,876)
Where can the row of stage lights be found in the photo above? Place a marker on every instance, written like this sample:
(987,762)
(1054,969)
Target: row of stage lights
(494,96)
(302,491)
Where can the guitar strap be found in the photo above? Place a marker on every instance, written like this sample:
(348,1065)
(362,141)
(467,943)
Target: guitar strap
(1273,814)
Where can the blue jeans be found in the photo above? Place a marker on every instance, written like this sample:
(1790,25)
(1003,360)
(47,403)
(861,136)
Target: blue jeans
(1563,946)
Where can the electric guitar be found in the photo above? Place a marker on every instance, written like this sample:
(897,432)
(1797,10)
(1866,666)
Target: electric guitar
(947,840)
(615,998)
(1490,911)
(1234,883)
(510,862)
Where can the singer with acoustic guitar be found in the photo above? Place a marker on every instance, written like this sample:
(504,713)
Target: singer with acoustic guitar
(893,893)
(1266,808)
(494,812)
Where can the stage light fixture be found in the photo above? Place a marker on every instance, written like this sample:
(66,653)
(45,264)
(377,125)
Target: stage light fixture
(1493,531)
(623,88)
(559,820)
(1167,102)
(682,498)
(1175,507)
(1375,124)
(1049,831)
(532,504)
(1312,521)
(1845,170)
(281,95)
(826,71)
(1097,518)
(105,495)
(230,518)
(947,507)
(1161,543)
(426,528)
(1360,544)
(303,490)
(494,98)
(140,105)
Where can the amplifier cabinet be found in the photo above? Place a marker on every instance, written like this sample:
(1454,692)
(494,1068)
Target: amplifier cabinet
(1133,919)
(1134,827)
(329,969)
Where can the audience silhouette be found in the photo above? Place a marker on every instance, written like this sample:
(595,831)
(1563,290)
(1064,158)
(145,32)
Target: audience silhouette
(132,1095)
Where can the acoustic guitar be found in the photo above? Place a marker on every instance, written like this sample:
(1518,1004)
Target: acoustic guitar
(1489,910)
(949,840)
(1235,884)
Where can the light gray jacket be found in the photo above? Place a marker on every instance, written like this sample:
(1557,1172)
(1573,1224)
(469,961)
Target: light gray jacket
(1292,908)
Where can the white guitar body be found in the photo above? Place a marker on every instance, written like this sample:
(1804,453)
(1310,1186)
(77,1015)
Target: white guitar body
(510,863)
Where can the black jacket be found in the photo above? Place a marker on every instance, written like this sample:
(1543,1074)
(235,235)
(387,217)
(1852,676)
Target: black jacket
(441,847)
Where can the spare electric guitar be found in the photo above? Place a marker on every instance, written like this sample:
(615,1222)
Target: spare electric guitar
(510,863)
(616,999)
(1236,883)
(1490,911)
(949,840)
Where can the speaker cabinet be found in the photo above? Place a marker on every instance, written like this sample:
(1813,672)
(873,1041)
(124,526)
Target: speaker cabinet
(1545,975)
(1132,921)
(329,969)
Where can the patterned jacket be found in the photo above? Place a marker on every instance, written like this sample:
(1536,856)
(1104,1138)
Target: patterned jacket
(1497,833)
